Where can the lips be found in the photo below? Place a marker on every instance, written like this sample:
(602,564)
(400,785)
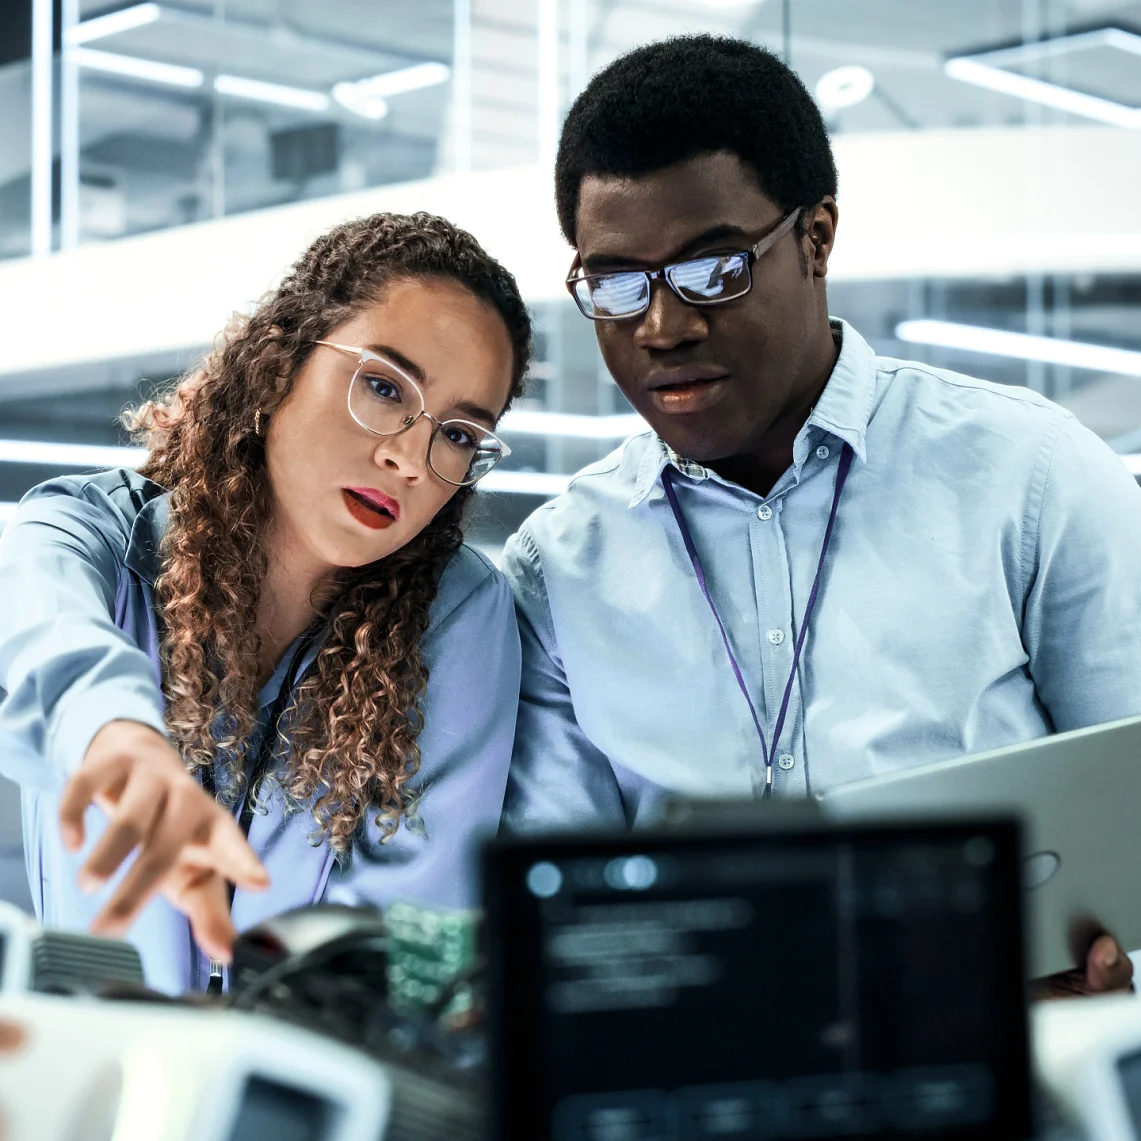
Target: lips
(685,377)
(370,507)
(685,391)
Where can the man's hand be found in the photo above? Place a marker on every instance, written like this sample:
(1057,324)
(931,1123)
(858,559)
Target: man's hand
(188,845)
(1108,969)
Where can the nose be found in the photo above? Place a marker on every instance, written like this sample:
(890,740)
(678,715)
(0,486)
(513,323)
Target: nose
(405,455)
(669,321)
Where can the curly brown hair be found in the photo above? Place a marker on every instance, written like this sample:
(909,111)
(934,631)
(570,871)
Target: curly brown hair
(353,723)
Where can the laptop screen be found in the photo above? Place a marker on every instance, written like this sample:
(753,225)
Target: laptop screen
(860,981)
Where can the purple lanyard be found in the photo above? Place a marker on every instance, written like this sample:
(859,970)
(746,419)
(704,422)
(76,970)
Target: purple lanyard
(841,479)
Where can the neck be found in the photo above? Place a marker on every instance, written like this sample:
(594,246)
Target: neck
(759,469)
(286,600)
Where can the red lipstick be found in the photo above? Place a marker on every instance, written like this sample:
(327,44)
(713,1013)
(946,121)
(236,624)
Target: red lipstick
(370,507)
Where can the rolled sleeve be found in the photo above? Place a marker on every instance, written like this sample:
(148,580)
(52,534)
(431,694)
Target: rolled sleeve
(1082,619)
(558,776)
(67,669)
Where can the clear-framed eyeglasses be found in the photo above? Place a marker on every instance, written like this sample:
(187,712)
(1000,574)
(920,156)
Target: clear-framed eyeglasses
(385,401)
(708,280)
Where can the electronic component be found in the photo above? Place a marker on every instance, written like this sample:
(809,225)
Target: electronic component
(802,981)
(166,1072)
(35,959)
(1088,1056)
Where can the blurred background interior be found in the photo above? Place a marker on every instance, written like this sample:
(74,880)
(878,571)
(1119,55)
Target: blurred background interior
(162,163)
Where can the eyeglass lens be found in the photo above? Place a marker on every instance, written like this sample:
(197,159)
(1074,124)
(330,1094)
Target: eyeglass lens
(460,452)
(701,280)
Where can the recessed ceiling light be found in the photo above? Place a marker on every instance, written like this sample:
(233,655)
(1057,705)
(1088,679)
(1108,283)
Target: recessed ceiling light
(844,87)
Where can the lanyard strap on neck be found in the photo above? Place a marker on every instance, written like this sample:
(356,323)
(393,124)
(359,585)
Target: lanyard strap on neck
(846,457)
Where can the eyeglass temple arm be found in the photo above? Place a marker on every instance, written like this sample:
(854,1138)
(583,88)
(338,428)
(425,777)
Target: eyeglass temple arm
(353,350)
(786,224)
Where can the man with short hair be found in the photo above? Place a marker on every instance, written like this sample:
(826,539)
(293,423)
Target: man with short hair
(820,564)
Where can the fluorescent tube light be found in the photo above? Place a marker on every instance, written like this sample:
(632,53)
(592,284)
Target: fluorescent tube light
(413,78)
(568,424)
(129,65)
(1023,346)
(69,455)
(254,89)
(844,87)
(369,97)
(524,482)
(113,23)
(354,98)
(990,70)
(1039,91)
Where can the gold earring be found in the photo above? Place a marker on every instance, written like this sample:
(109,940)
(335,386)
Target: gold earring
(257,422)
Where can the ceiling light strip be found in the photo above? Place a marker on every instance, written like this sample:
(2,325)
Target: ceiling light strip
(69,455)
(524,483)
(570,425)
(135,68)
(111,24)
(1022,346)
(980,74)
(257,91)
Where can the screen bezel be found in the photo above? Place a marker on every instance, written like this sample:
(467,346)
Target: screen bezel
(513,978)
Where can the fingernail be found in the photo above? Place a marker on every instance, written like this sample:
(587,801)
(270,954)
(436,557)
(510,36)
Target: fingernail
(1109,957)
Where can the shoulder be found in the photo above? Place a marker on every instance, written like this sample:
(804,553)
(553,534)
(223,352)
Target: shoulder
(469,578)
(600,492)
(979,403)
(106,503)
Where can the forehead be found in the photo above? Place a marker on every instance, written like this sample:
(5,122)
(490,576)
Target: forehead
(454,337)
(650,216)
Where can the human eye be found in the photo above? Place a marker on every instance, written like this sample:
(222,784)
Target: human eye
(383,386)
(462,437)
(708,277)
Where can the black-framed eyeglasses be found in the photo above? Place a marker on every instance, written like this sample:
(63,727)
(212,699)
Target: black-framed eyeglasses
(706,280)
(385,401)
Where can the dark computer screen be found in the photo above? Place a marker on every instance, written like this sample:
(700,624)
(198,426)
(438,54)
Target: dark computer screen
(270,1111)
(1129,1071)
(803,984)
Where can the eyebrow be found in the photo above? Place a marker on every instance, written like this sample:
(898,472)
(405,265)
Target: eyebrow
(467,407)
(395,355)
(713,234)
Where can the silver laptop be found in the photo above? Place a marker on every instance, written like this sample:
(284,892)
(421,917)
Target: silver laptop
(1079,794)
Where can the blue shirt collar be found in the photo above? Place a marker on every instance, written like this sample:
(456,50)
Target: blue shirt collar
(147,533)
(843,411)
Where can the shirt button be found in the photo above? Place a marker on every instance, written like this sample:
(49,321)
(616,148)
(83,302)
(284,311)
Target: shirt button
(786,761)
(822,453)
(764,513)
(776,637)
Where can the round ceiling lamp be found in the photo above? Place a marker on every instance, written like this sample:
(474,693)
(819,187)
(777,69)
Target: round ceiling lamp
(844,87)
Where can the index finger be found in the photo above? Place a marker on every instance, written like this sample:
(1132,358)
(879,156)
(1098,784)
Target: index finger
(77,795)
(228,852)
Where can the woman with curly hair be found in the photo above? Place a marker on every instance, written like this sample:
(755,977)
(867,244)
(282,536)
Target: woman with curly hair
(274,627)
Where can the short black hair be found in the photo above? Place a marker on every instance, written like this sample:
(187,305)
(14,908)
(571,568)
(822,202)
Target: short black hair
(666,102)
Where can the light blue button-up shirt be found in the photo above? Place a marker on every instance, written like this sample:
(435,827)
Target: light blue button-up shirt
(78,648)
(983,587)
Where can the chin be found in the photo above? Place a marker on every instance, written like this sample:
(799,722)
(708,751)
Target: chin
(701,447)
